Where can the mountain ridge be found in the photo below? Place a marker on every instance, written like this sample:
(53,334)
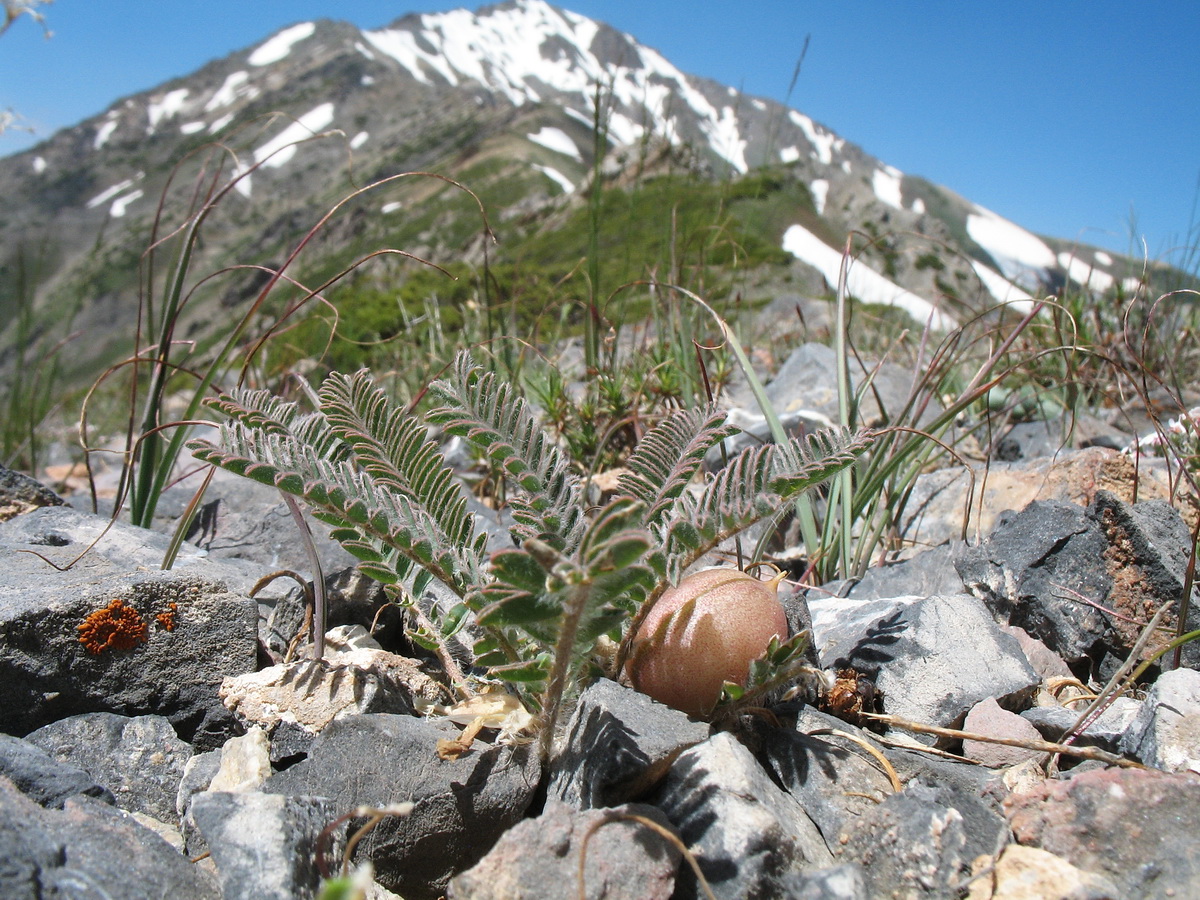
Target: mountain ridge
(498,98)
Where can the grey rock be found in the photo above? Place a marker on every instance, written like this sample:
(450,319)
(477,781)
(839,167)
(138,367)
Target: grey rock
(264,845)
(141,760)
(197,776)
(807,380)
(620,743)
(1105,731)
(929,572)
(847,881)
(934,658)
(1048,437)
(42,778)
(1166,731)
(540,858)
(840,624)
(747,833)
(1045,661)
(462,806)
(47,671)
(923,841)
(242,519)
(909,764)
(1135,827)
(19,494)
(756,431)
(833,784)
(88,849)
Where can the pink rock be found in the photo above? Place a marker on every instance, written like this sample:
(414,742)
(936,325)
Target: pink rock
(987,718)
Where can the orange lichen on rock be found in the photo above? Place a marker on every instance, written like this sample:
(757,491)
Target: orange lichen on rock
(115,627)
(166,620)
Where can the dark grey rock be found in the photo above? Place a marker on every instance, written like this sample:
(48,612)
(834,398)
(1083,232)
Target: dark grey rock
(88,849)
(540,858)
(923,841)
(462,806)
(1151,541)
(1166,730)
(1137,827)
(19,494)
(1024,569)
(620,743)
(265,845)
(933,658)
(747,833)
(351,598)
(290,742)
(48,673)
(141,760)
(42,778)
(1052,569)
(1104,732)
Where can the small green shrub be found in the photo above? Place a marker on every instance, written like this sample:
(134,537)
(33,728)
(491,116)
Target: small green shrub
(576,577)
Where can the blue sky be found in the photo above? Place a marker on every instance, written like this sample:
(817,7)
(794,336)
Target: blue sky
(1068,117)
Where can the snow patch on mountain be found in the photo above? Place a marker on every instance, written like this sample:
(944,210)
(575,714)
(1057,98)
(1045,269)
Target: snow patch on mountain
(1083,274)
(108,193)
(359,139)
(192,127)
(824,142)
(165,108)
(1103,258)
(234,87)
(117,210)
(789,155)
(820,193)
(557,140)
(886,184)
(104,132)
(281,148)
(278,47)
(1021,256)
(1002,289)
(862,282)
(558,177)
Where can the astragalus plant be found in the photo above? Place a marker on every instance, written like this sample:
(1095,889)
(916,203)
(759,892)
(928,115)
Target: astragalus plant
(577,579)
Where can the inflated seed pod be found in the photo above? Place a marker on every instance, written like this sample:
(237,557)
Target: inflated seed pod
(701,633)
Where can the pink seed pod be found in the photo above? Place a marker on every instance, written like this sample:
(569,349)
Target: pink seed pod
(703,632)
